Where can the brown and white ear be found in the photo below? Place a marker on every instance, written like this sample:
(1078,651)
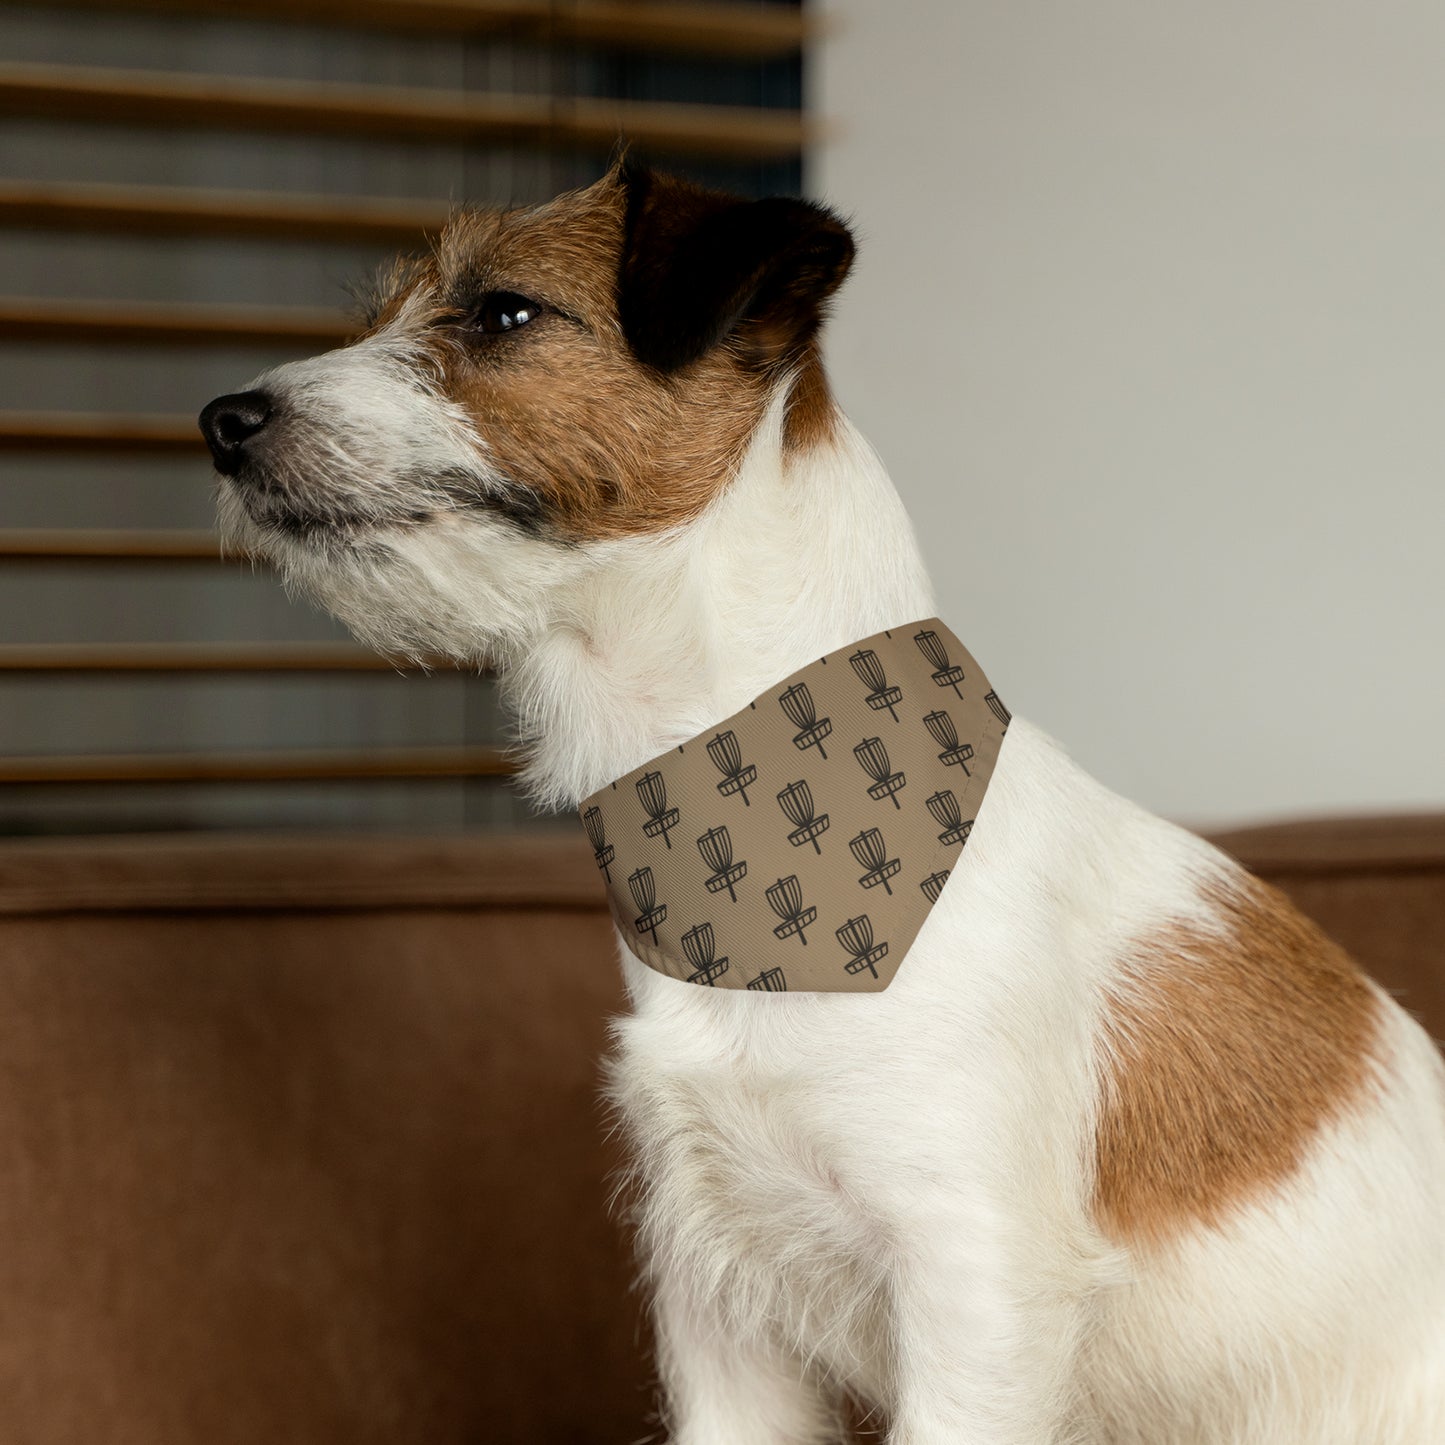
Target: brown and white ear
(701,266)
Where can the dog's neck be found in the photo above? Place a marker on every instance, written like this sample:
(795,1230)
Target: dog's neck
(802,554)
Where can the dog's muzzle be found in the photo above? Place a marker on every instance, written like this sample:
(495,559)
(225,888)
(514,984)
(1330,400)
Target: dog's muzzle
(230,422)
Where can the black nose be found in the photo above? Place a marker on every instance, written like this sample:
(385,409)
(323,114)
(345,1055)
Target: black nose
(229,422)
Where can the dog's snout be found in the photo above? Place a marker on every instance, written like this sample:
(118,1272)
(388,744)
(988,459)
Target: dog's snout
(229,422)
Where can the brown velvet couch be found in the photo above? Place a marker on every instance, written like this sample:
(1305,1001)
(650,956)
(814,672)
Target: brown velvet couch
(300,1139)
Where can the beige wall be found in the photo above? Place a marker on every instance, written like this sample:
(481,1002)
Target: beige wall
(1152,298)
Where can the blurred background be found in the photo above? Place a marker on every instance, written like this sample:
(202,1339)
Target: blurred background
(1151,299)
(186,193)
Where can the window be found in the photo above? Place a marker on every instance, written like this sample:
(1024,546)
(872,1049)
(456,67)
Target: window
(184,195)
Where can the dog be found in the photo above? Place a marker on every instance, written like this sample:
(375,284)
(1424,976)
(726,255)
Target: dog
(1127,1153)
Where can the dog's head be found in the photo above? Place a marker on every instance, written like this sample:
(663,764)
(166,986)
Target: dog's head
(545,383)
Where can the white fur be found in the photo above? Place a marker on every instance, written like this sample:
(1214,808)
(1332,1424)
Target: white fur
(890,1193)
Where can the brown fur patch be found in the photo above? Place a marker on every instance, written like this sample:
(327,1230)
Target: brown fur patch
(1226,1054)
(812,413)
(606,446)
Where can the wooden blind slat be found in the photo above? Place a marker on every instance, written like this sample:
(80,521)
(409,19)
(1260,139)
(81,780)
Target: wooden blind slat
(709,29)
(176,210)
(216,102)
(167,657)
(76,544)
(78,431)
(259,767)
(756,32)
(171,323)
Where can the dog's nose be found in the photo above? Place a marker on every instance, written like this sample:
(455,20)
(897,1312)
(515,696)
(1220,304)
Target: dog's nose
(229,422)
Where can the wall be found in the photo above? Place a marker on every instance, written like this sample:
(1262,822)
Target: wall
(1153,297)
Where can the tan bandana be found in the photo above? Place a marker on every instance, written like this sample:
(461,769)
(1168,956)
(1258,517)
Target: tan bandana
(800,845)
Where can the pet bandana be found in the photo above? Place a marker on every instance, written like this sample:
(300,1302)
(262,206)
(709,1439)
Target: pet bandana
(799,845)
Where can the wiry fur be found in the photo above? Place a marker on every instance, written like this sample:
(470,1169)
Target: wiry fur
(895,1194)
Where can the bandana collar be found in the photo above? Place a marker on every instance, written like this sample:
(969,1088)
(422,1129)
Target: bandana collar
(800,844)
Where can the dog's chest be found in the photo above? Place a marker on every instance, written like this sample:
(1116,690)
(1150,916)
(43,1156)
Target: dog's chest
(747,1179)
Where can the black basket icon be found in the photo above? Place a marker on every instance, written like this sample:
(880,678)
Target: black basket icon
(933,885)
(998,709)
(602,850)
(870,673)
(872,853)
(698,945)
(873,759)
(857,937)
(716,847)
(644,894)
(770,980)
(953,754)
(931,646)
(802,712)
(652,790)
(727,758)
(785,898)
(796,800)
(944,807)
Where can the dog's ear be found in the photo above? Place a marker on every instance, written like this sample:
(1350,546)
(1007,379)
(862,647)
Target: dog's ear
(699,266)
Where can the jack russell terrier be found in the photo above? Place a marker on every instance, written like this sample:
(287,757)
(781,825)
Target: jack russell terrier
(1125,1151)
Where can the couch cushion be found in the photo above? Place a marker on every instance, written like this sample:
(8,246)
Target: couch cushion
(1376,885)
(303,1143)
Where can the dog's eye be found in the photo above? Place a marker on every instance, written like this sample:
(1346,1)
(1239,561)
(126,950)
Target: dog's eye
(504,311)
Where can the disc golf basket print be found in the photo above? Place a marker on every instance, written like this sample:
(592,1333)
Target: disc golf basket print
(857,937)
(716,847)
(602,850)
(770,980)
(944,807)
(998,709)
(796,801)
(643,888)
(953,754)
(872,854)
(698,944)
(652,791)
(870,673)
(873,759)
(932,648)
(802,712)
(727,758)
(785,898)
(932,886)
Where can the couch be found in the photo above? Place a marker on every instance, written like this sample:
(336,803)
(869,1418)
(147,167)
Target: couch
(302,1139)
